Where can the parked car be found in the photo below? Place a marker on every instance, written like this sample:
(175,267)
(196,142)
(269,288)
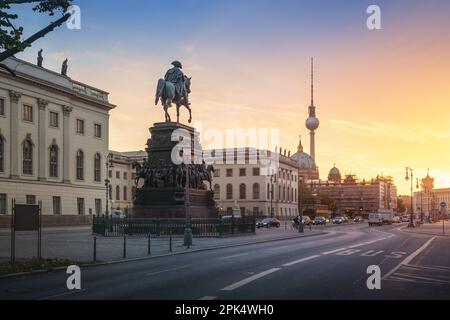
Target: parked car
(405,218)
(345,219)
(396,219)
(268,223)
(358,219)
(117,214)
(319,221)
(337,220)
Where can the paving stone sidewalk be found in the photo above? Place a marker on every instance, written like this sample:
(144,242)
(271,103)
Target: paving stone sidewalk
(435,229)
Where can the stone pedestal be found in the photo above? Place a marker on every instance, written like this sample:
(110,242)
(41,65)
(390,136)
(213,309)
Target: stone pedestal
(165,197)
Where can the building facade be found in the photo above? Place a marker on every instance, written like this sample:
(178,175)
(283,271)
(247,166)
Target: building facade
(427,203)
(53,142)
(257,189)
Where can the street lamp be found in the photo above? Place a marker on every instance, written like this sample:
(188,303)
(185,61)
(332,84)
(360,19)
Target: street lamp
(410,171)
(109,165)
(421,200)
(272,178)
(187,229)
(300,205)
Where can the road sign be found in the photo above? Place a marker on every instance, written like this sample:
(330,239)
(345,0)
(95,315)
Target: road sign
(443,205)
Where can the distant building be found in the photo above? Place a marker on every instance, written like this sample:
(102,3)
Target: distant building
(427,201)
(53,143)
(249,184)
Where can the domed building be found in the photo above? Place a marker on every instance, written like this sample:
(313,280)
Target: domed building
(335,175)
(307,167)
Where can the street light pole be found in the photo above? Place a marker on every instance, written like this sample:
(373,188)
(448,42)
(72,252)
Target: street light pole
(411,219)
(271,195)
(188,229)
(300,206)
(109,165)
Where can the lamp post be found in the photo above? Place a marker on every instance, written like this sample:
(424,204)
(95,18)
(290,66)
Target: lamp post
(272,177)
(421,202)
(187,229)
(109,165)
(300,205)
(407,178)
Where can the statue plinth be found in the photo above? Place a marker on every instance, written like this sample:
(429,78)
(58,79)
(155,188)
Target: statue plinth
(161,182)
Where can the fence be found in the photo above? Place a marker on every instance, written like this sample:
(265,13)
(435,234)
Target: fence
(113,227)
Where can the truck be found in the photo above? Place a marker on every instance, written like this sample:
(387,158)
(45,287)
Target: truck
(375,219)
(387,215)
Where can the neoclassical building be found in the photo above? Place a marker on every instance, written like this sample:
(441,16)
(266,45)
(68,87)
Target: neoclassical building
(53,143)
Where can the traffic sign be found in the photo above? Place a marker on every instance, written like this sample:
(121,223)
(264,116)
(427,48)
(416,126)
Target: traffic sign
(443,205)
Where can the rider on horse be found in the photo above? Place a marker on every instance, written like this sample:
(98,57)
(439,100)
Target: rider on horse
(177,77)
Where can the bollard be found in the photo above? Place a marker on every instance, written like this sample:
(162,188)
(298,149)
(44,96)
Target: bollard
(95,249)
(170,243)
(149,244)
(124,247)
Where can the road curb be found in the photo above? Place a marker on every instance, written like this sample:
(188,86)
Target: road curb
(98,264)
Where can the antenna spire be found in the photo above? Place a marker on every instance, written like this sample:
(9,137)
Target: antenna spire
(312,81)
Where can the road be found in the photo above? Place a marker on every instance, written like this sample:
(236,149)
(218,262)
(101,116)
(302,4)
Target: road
(331,266)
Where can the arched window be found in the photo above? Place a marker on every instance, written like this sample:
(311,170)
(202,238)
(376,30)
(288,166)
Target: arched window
(53,161)
(97,167)
(80,165)
(117,193)
(125,197)
(216,192)
(229,191)
(268,191)
(242,191)
(2,154)
(256,191)
(27,157)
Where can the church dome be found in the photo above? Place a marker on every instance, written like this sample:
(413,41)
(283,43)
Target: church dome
(303,159)
(334,175)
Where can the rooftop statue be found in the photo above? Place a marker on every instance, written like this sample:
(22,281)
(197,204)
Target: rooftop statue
(174,88)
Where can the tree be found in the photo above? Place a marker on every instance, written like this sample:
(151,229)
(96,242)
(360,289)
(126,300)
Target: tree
(11,41)
(400,205)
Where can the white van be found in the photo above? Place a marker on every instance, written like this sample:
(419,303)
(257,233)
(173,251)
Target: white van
(375,219)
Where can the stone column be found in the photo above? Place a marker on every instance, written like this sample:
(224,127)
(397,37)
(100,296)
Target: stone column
(66,143)
(42,148)
(14,137)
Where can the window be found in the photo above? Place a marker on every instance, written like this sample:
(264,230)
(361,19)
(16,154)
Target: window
(98,130)
(97,168)
(80,165)
(256,172)
(117,174)
(98,206)
(3,203)
(216,192)
(27,157)
(242,191)
(125,175)
(125,193)
(217,173)
(2,107)
(56,205)
(229,191)
(54,119)
(133,175)
(229,172)
(256,191)
(117,193)
(53,157)
(28,113)
(80,126)
(2,154)
(242,172)
(80,206)
(110,174)
(255,211)
(30,199)
(133,192)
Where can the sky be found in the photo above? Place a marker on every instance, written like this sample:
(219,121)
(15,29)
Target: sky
(382,96)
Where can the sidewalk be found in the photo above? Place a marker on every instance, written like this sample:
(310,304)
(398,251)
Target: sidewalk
(434,229)
(78,244)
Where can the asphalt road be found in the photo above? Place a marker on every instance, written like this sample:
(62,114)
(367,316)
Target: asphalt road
(331,266)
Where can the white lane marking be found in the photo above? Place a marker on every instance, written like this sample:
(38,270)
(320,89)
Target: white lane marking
(421,278)
(168,270)
(357,245)
(409,258)
(334,251)
(207,298)
(62,294)
(300,260)
(249,279)
(234,256)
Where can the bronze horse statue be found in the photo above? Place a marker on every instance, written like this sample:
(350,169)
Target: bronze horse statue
(166,93)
